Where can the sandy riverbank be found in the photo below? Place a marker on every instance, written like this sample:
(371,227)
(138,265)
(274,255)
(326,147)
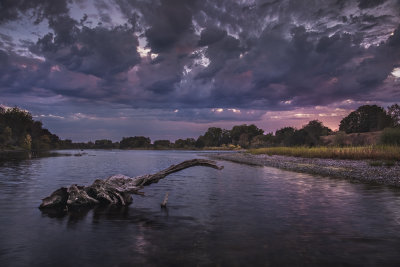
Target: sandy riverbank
(359,170)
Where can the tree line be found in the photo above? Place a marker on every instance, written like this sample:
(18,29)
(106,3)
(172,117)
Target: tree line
(18,130)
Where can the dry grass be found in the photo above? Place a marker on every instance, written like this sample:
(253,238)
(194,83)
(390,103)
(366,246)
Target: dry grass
(356,153)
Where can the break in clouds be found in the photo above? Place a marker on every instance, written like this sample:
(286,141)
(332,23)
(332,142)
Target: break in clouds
(196,61)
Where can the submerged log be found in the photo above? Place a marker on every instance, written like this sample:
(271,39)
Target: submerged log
(115,190)
(164,203)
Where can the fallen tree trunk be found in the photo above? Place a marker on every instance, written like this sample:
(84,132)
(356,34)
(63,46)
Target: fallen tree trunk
(115,190)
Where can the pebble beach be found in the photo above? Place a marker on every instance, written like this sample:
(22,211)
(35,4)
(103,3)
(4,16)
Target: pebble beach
(357,170)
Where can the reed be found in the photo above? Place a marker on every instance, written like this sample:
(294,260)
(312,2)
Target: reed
(352,152)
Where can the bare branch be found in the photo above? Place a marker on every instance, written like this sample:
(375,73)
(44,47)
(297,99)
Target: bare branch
(115,190)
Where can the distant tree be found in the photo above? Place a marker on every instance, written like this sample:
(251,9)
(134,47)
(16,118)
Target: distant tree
(226,137)
(284,136)
(36,129)
(5,136)
(54,139)
(66,144)
(45,142)
(180,143)
(213,137)
(190,142)
(26,142)
(250,130)
(89,145)
(103,144)
(116,145)
(366,118)
(160,144)
(135,142)
(394,113)
(351,123)
(313,131)
(263,140)
(18,129)
(200,143)
(244,140)
(185,143)
(317,128)
(301,138)
(19,121)
(2,122)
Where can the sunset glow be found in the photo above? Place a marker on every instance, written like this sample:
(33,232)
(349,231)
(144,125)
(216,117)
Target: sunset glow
(171,69)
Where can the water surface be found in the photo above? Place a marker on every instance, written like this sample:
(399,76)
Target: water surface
(242,215)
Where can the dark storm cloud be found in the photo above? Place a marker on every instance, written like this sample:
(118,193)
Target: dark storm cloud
(370,3)
(163,86)
(97,51)
(20,74)
(373,71)
(172,20)
(326,63)
(220,49)
(267,55)
(39,9)
(211,35)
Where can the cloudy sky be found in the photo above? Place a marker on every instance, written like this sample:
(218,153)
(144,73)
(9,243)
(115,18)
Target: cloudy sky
(167,69)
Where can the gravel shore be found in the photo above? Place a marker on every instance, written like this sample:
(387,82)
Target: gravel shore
(349,169)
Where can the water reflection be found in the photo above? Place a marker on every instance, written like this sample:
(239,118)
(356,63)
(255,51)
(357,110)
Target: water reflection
(15,156)
(242,215)
(99,214)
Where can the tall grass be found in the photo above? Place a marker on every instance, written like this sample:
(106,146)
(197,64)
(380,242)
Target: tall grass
(356,153)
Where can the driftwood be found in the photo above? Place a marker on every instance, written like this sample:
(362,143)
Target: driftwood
(164,203)
(115,190)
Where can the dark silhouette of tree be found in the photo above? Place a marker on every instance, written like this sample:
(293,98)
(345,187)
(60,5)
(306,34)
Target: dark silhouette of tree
(187,143)
(135,142)
(19,121)
(284,136)
(394,113)
(263,140)
(244,140)
(200,142)
(213,137)
(250,132)
(162,144)
(312,133)
(308,135)
(367,118)
(5,136)
(19,130)
(103,144)
(226,137)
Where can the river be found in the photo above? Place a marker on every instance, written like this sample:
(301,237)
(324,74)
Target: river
(239,216)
